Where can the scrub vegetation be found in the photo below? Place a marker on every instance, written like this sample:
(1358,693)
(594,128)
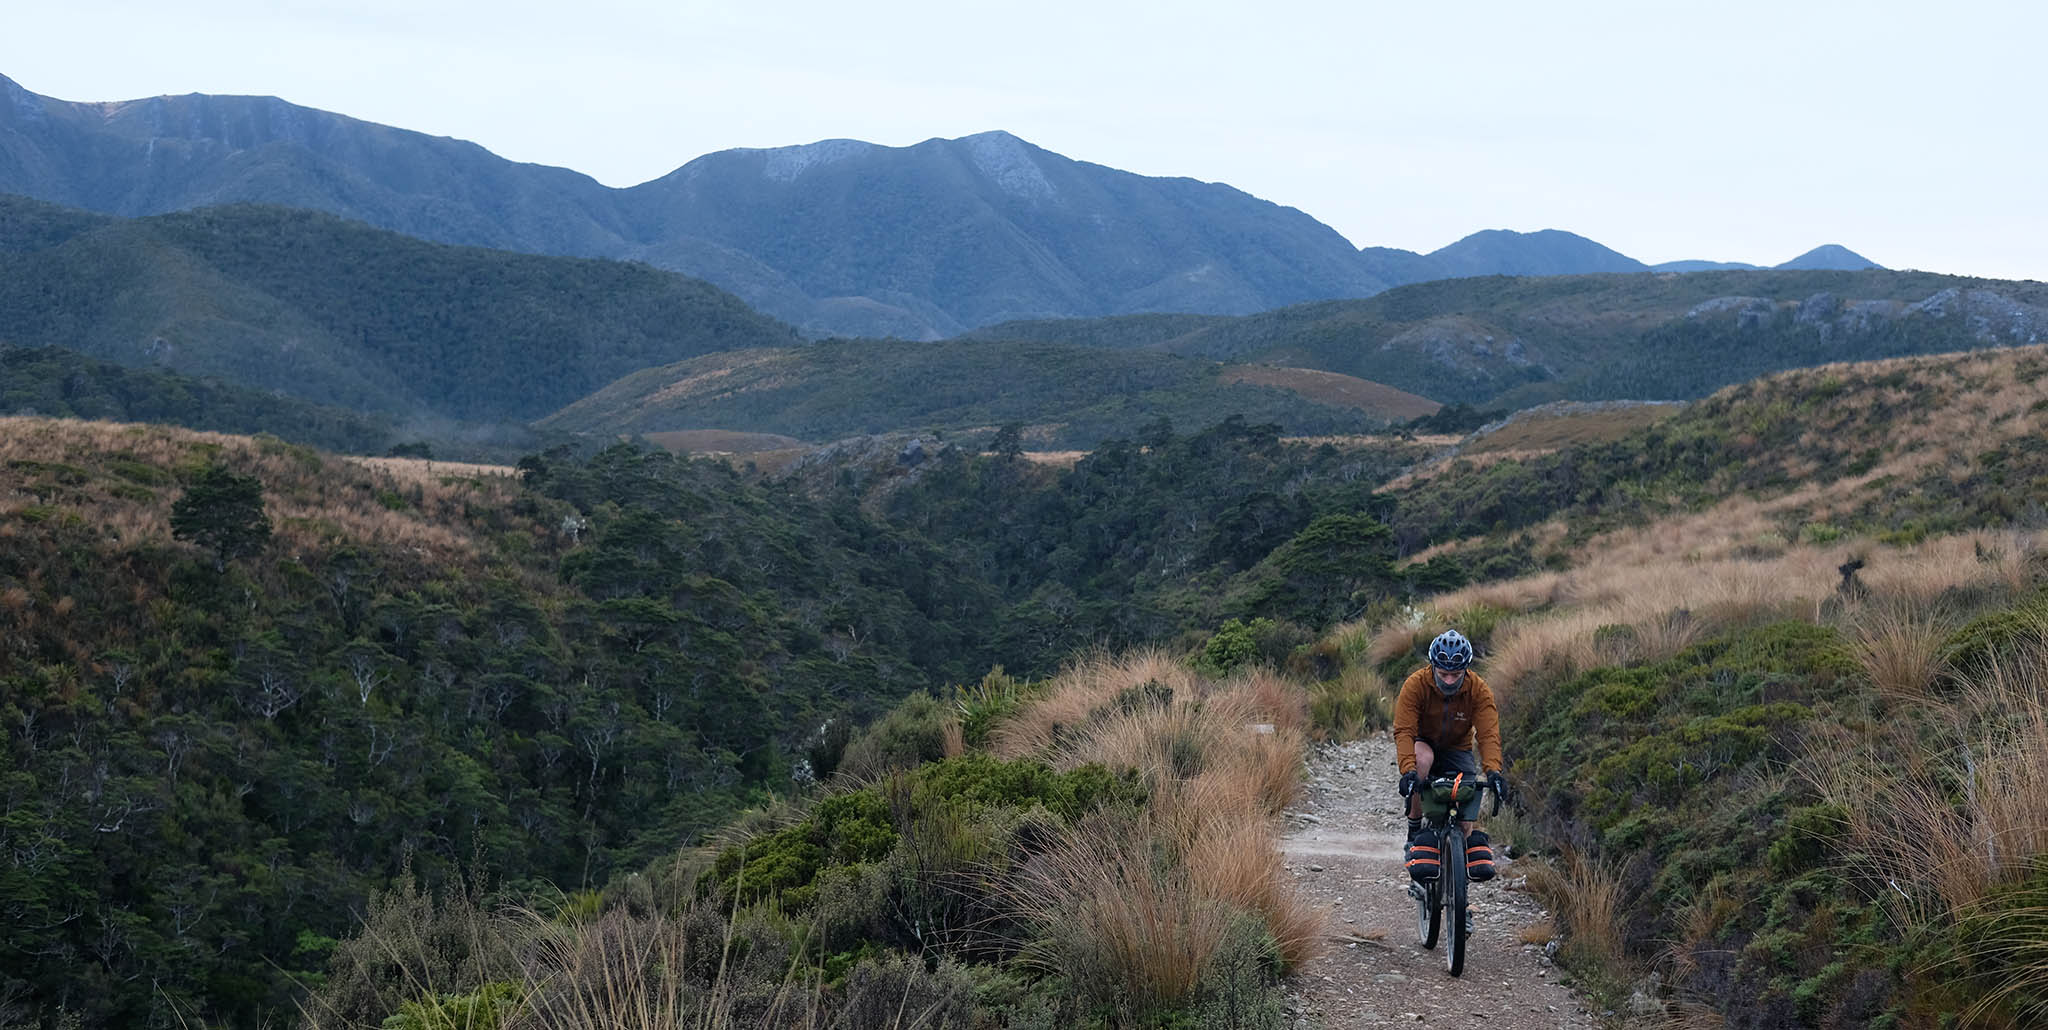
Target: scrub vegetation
(634,739)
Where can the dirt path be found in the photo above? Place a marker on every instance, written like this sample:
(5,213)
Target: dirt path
(1344,848)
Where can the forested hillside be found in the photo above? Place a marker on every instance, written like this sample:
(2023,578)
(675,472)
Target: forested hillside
(220,740)
(249,683)
(1498,341)
(60,383)
(335,312)
(1064,396)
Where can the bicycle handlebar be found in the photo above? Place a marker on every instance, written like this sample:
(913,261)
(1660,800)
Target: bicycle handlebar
(1478,782)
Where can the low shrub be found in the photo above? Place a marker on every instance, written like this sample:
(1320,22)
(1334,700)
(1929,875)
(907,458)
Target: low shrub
(913,733)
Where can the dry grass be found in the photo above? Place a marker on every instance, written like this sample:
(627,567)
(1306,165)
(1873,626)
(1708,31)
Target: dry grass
(1586,895)
(1692,1015)
(1898,643)
(1054,459)
(427,470)
(1540,431)
(1941,854)
(721,441)
(1149,901)
(1538,934)
(1240,865)
(1698,925)
(1357,702)
(1335,389)
(1121,921)
(315,501)
(454,962)
(1078,692)
(1667,598)
(1953,408)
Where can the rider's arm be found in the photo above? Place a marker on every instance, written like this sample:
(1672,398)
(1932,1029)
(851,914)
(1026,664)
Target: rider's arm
(1486,726)
(1407,716)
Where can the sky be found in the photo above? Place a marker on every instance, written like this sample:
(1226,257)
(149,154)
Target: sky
(1733,131)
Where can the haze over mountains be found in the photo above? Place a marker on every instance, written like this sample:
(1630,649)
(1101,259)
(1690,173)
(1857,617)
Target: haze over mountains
(836,237)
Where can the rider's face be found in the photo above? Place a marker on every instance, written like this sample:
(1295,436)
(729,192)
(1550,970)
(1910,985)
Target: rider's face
(1450,679)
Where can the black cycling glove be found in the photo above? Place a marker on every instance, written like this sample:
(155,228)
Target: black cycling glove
(1499,784)
(1407,783)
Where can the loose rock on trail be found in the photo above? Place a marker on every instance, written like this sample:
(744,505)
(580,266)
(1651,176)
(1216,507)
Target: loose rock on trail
(1343,846)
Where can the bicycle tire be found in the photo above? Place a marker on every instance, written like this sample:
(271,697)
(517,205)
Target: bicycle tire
(1455,898)
(1429,912)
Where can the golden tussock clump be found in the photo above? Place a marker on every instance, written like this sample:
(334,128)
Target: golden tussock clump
(123,479)
(1219,759)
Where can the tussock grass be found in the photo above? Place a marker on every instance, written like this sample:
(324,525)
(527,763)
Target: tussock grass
(1118,919)
(1898,641)
(1945,825)
(1147,903)
(1697,927)
(457,962)
(1586,896)
(1358,701)
(313,500)
(1651,603)
(1085,687)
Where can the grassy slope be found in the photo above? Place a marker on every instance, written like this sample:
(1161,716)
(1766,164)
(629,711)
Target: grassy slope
(1746,766)
(1375,399)
(1906,445)
(1071,396)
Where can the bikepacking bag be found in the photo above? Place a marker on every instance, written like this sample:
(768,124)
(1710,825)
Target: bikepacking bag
(1478,856)
(1461,792)
(1425,858)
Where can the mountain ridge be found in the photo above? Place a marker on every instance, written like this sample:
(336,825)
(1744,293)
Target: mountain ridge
(836,237)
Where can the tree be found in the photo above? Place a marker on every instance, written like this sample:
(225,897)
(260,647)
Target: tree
(222,512)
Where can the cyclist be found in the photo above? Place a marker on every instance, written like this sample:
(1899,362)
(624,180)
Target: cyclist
(1445,723)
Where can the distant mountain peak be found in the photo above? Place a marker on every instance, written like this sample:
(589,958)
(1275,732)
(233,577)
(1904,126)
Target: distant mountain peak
(1833,257)
(1544,252)
(783,164)
(1006,160)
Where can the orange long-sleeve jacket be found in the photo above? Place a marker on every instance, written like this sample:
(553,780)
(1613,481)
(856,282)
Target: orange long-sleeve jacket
(1464,721)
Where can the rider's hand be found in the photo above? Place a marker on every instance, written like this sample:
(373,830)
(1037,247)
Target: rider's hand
(1407,783)
(1498,783)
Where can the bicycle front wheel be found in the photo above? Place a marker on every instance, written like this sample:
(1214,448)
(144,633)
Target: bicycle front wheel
(1455,884)
(1428,910)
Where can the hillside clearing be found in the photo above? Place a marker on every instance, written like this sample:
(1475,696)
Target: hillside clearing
(721,441)
(1377,399)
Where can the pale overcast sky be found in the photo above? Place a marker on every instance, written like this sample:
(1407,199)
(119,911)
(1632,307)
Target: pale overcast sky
(1732,131)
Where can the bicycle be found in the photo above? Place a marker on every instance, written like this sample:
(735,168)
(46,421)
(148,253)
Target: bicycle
(1444,800)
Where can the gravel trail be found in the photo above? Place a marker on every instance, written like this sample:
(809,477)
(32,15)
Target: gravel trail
(1343,847)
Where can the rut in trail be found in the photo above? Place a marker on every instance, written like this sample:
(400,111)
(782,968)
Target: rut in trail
(1343,848)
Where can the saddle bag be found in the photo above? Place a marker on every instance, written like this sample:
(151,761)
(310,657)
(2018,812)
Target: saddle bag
(1425,858)
(1478,856)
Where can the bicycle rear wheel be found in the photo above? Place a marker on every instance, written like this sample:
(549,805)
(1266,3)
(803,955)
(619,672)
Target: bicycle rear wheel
(1454,891)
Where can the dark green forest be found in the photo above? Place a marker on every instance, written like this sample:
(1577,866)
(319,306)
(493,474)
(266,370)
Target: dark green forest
(220,743)
(61,383)
(336,312)
(1516,341)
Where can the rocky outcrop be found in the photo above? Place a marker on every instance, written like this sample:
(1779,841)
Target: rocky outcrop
(1991,317)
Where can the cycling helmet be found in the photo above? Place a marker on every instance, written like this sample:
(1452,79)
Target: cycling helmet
(1450,651)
